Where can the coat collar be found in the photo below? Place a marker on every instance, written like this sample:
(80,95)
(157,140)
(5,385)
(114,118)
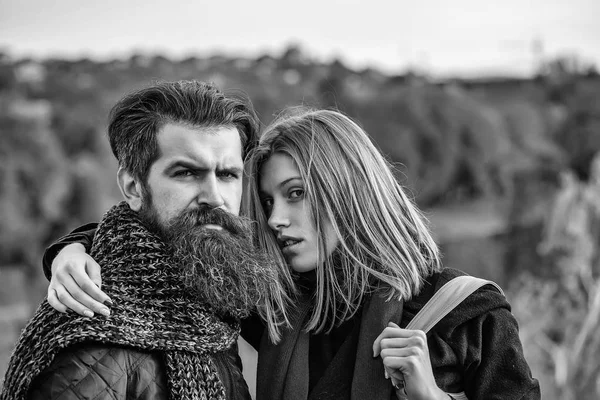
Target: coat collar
(369,380)
(274,360)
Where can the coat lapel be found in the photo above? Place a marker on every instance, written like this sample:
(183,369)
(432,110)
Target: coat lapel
(368,377)
(335,384)
(274,360)
(369,380)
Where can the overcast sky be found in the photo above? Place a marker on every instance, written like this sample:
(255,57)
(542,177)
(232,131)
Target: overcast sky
(439,36)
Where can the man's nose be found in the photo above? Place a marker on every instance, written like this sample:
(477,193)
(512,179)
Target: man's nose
(210,193)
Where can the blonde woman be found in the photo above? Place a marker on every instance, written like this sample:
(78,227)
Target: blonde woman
(360,261)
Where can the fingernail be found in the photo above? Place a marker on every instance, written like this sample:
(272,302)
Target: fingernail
(69,311)
(105,312)
(386,374)
(88,313)
(108,303)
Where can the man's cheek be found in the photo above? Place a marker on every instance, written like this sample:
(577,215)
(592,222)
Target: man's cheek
(168,205)
(235,200)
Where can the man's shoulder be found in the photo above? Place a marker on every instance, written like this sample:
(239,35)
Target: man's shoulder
(92,355)
(95,370)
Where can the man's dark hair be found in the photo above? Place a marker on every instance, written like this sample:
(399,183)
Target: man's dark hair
(136,119)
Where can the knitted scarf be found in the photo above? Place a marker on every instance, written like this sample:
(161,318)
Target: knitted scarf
(151,311)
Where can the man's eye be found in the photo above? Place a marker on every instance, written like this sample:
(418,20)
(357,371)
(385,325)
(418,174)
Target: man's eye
(184,172)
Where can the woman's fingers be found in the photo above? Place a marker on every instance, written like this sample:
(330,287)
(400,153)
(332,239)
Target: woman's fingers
(75,283)
(393,332)
(394,374)
(93,270)
(405,360)
(65,298)
(405,357)
(417,339)
(89,285)
(81,299)
(54,302)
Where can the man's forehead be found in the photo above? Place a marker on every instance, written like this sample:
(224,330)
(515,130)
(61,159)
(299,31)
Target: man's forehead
(199,141)
(189,128)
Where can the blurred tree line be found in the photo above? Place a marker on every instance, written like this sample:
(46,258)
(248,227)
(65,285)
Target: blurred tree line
(502,166)
(503,142)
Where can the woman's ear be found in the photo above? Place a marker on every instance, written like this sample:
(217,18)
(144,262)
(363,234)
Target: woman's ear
(130,188)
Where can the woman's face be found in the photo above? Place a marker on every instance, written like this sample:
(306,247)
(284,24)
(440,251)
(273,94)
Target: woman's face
(283,198)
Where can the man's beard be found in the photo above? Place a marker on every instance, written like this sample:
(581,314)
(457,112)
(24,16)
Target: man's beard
(221,268)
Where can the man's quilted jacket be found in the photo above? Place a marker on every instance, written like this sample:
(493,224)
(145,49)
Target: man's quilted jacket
(105,372)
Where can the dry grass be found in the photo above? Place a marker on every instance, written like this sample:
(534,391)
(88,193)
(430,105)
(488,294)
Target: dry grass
(559,335)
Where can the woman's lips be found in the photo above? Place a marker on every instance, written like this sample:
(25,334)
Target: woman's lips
(290,245)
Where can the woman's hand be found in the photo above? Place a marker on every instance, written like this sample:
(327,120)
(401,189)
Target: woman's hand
(406,359)
(76,282)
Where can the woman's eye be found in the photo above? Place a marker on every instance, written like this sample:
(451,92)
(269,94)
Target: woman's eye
(296,193)
(267,203)
(267,206)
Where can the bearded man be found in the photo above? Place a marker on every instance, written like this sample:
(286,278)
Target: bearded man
(177,261)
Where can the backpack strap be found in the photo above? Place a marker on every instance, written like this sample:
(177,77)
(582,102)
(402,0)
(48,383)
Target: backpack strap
(458,396)
(446,299)
(441,303)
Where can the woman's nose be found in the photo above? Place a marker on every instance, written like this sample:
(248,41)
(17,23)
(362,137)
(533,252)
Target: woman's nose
(278,218)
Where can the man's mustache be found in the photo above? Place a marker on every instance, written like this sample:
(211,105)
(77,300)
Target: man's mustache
(198,217)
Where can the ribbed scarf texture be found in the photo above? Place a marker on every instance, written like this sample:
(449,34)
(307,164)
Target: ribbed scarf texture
(152,311)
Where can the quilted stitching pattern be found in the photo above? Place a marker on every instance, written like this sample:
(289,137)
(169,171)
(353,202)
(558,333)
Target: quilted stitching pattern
(153,311)
(97,372)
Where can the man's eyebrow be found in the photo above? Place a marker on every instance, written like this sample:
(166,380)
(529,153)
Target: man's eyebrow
(185,164)
(198,166)
(231,168)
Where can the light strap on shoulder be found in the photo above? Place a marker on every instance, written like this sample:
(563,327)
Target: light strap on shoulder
(446,299)
(441,303)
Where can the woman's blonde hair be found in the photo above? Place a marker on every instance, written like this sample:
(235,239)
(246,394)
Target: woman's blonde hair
(384,242)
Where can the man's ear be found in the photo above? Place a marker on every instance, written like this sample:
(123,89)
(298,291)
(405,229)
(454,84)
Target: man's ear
(130,188)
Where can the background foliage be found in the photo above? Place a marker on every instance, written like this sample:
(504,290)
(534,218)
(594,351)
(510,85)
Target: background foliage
(503,168)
